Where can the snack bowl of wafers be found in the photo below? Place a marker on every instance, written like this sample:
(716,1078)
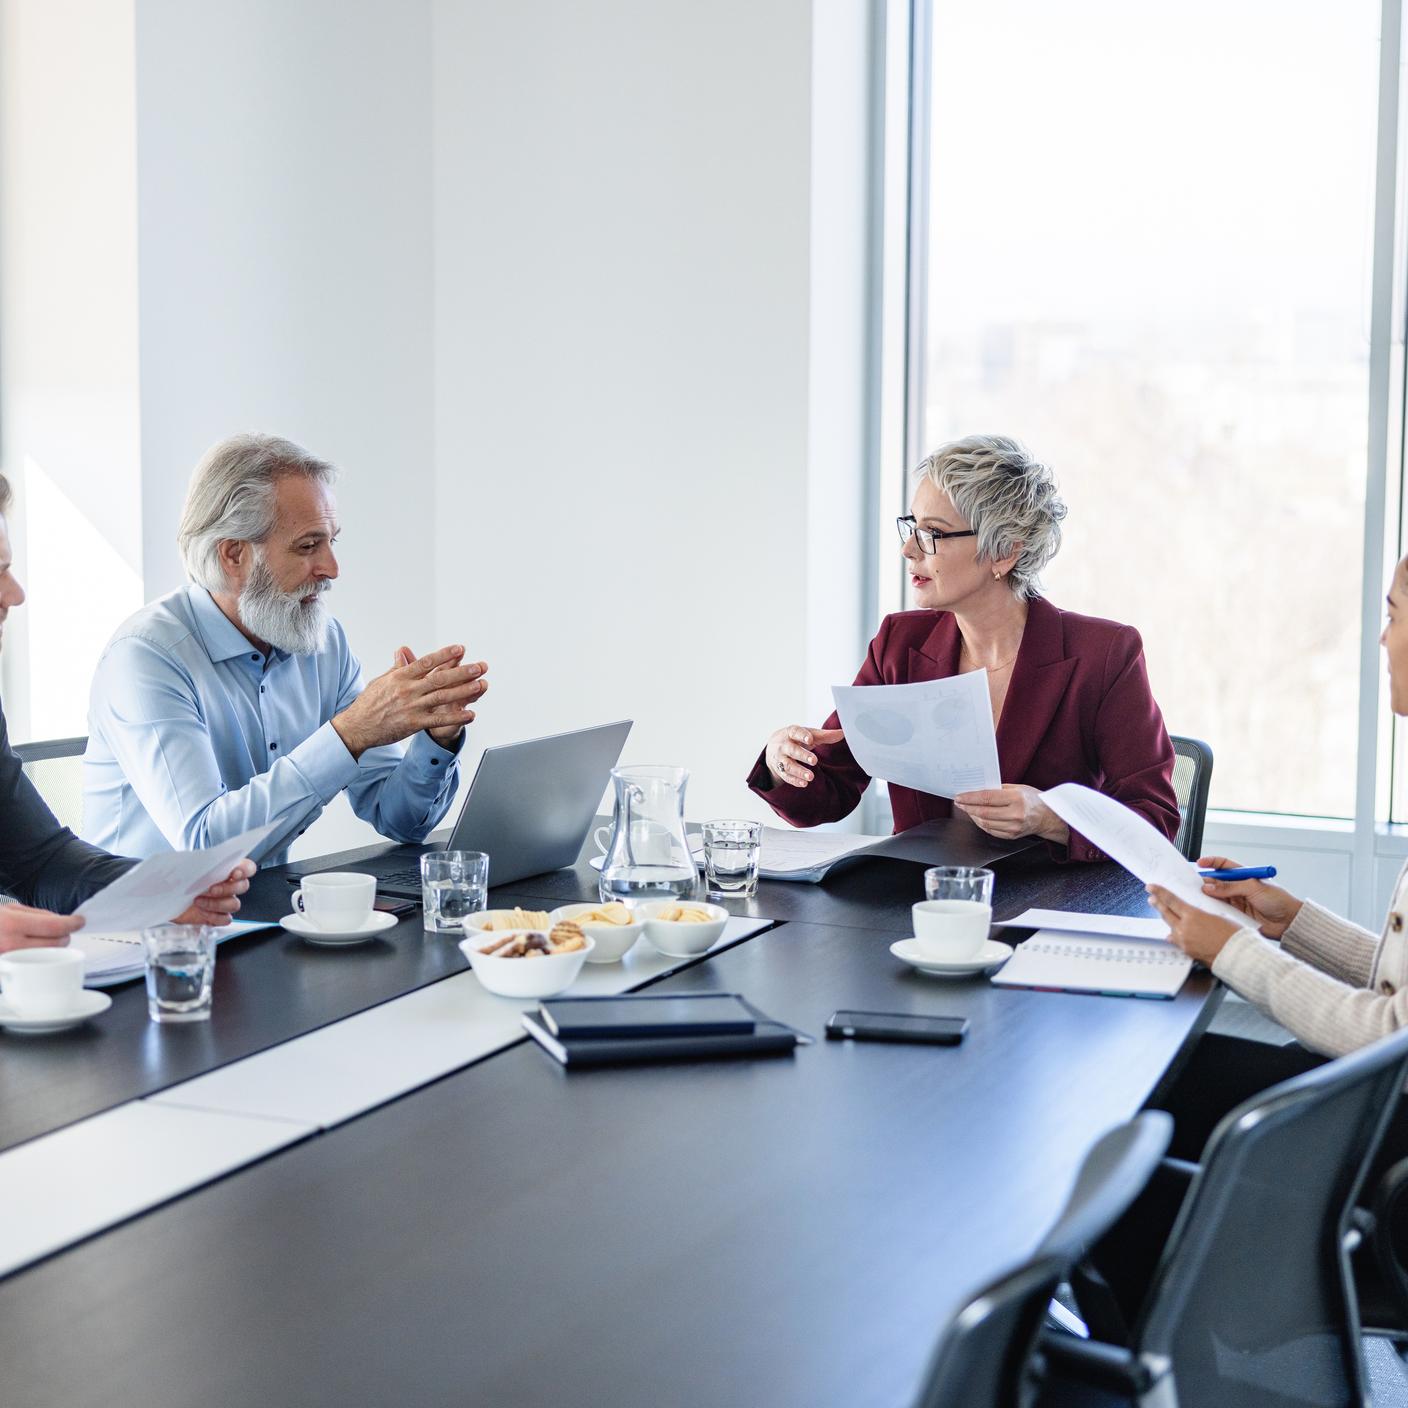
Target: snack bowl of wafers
(683,928)
(524,953)
(613,928)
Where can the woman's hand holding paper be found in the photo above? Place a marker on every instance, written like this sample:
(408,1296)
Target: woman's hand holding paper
(1012,810)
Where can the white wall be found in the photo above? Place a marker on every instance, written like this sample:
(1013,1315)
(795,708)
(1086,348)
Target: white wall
(68,343)
(623,341)
(284,178)
(576,295)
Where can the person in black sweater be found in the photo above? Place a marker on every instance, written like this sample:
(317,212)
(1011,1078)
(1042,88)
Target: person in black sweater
(43,865)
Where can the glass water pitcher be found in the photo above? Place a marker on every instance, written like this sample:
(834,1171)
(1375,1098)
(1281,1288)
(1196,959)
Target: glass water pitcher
(648,856)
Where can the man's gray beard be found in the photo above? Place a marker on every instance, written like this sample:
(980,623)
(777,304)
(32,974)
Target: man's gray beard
(280,617)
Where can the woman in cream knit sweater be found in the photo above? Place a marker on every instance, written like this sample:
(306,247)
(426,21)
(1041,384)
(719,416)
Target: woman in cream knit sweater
(1333,985)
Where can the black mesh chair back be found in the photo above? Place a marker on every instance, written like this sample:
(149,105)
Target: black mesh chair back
(1192,776)
(982,1358)
(1252,1302)
(55,767)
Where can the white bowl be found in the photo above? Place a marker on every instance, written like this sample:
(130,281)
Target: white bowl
(481,917)
(612,941)
(545,976)
(677,940)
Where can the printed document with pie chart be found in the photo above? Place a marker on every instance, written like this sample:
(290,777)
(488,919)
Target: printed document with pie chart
(936,736)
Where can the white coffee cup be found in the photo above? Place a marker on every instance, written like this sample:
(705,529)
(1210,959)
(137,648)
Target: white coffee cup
(337,901)
(951,931)
(42,982)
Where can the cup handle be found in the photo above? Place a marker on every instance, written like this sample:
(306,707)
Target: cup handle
(596,836)
(298,902)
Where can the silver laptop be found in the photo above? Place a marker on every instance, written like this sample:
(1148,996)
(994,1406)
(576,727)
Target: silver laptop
(529,807)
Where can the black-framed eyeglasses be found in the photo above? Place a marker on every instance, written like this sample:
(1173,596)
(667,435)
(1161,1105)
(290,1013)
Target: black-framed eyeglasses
(928,538)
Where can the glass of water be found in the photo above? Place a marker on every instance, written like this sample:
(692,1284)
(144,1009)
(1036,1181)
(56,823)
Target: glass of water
(454,885)
(180,971)
(731,852)
(967,884)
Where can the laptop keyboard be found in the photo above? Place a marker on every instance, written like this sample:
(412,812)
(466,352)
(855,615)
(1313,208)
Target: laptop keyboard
(407,878)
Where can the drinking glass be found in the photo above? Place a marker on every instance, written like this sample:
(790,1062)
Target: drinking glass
(180,971)
(731,853)
(453,885)
(958,882)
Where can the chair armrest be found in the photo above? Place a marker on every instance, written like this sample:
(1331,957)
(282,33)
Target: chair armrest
(1099,1365)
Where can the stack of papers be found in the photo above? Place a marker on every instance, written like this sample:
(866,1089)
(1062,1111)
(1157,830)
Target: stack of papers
(158,888)
(1098,953)
(150,893)
(1109,953)
(110,959)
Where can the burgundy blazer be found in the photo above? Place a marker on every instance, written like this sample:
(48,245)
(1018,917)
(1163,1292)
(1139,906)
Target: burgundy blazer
(1078,709)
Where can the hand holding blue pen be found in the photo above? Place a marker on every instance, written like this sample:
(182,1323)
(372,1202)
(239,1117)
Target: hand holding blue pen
(1249,872)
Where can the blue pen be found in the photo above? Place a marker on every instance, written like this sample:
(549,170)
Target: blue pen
(1251,872)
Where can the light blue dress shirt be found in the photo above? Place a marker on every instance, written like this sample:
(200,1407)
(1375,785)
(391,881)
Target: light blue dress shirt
(194,737)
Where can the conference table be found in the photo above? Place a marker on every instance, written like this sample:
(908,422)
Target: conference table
(406,1216)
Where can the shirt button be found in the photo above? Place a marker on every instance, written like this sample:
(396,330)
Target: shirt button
(273,747)
(1395,922)
(1387,988)
(255,658)
(261,689)
(435,762)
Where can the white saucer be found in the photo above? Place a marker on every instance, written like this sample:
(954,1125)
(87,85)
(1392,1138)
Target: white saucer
(989,956)
(89,1004)
(298,924)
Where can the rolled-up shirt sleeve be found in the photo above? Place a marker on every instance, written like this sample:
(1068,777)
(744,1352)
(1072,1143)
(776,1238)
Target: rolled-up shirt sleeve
(152,717)
(404,790)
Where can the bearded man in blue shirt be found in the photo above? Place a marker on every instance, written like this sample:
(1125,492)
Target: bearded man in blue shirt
(236,701)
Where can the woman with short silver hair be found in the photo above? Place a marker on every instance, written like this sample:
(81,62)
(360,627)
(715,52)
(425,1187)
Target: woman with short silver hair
(1070,694)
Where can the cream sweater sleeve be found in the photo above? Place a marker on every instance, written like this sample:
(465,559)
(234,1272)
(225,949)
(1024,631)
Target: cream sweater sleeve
(1334,945)
(1324,1013)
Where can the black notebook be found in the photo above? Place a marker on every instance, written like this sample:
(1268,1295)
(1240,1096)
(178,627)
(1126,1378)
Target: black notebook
(650,1014)
(767,1038)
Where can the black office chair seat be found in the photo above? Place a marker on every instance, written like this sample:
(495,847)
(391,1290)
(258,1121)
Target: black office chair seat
(1232,1277)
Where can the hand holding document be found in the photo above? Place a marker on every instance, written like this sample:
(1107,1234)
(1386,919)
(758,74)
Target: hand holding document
(936,736)
(1128,838)
(159,888)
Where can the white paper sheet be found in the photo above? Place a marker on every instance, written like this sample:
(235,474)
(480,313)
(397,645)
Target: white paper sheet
(935,736)
(1069,921)
(791,852)
(159,888)
(1128,838)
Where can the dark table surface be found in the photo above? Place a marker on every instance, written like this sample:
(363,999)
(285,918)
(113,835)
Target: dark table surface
(789,1231)
(273,986)
(269,987)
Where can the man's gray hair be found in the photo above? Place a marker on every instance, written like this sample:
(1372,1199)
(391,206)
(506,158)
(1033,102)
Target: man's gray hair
(1007,496)
(232,495)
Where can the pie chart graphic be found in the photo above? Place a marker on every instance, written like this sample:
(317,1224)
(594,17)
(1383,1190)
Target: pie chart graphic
(885,726)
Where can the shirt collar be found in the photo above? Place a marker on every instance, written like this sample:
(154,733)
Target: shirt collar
(223,640)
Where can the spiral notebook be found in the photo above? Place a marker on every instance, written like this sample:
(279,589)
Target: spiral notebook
(1114,967)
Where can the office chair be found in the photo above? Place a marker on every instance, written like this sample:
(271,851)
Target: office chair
(55,768)
(1192,774)
(983,1356)
(1250,1300)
